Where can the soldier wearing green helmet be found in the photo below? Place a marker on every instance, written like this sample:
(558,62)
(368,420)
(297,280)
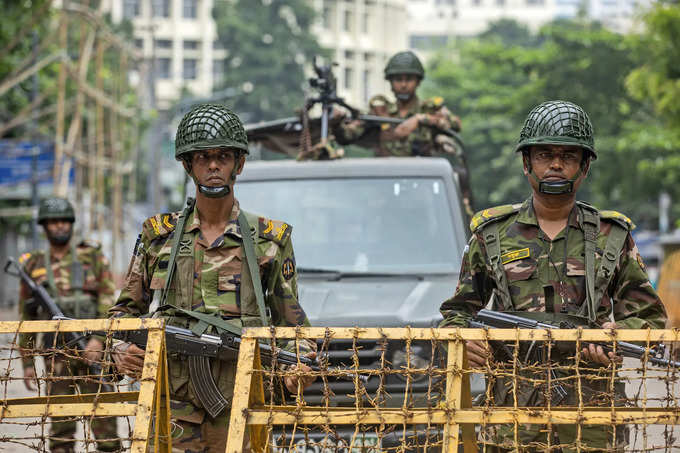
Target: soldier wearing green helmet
(78,277)
(562,260)
(417,134)
(213,267)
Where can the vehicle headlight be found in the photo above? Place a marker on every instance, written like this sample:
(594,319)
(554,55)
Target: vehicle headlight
(418,358)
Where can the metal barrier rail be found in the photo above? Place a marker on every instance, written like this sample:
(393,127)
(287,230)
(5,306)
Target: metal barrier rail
(149,404)
(455,413)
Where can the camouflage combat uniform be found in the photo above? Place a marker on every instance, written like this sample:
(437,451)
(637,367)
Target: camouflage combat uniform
(94,301)
(534,270)
(423,141)
(211,278)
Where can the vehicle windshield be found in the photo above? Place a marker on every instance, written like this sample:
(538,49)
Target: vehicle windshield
(362,225)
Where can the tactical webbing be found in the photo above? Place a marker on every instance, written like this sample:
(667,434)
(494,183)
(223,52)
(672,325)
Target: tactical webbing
(77,277)
(205,320)
(179,231)
(591,227)
(253,268)
(612,251)
(493,250)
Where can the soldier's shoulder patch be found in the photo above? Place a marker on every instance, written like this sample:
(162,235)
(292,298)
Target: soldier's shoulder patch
(288,268)
(160,225)
(23,259)
(274,230)
(619,218)
(491,214)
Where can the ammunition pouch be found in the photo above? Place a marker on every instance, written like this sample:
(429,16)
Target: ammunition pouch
(78,306)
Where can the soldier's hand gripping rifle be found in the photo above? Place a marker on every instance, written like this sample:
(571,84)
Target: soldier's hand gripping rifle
(43,298)
(500,320)
(198,349)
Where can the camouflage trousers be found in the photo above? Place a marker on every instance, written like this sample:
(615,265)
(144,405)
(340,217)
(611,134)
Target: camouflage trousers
(195,432)
(63,429)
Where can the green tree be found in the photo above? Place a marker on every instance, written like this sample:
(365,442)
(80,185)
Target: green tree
(267,47)
(498,77)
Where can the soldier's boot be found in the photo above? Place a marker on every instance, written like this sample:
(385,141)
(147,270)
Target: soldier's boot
(207,437)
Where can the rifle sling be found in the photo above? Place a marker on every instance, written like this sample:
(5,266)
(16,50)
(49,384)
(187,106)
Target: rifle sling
(253,268)
(179,231)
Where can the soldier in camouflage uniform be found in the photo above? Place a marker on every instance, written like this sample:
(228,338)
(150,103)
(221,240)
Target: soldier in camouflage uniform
(77,275)
(417,134)
(561,260)
(212,279)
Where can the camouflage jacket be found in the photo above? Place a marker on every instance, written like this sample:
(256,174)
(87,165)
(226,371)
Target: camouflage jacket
(97,289)
(532,261)
(421,142)
(214,277)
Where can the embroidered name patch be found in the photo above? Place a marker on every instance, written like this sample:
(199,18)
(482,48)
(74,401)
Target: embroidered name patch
(288,268)
(515,255)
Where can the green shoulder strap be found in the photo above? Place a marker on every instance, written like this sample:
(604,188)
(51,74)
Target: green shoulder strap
(48,268)
(492,244)
(77,277)
(612,251)
(179,231)
(591,227)
(249,249)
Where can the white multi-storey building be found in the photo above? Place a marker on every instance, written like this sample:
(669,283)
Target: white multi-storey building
(431,23)
(362,35)
(179,36)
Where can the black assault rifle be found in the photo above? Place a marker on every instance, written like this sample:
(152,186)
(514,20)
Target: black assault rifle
(42,297)
(499,320)
(198,349)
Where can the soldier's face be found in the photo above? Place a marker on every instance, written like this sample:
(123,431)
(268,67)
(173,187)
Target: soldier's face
(404,85)
(555,163)
(58,231)
(214,167)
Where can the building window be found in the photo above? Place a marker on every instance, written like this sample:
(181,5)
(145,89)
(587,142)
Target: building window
(160,8)
(365,22)
(500,2)
(347,19)
(367,84)
(349,74)
(218,72)
(163,44)
(190,44)
(535,2)
(326,17)
(139,43)
(190,9)
(479,2)
(349,55)
(163,68)
(130,8)
(189,68)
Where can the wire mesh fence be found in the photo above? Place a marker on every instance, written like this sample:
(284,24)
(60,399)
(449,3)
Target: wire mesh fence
(56,397)
(409,390)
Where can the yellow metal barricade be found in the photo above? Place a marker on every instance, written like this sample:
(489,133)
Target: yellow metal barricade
(149,405)
(454,417)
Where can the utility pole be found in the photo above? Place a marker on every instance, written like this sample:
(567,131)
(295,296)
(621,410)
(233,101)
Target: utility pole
(35,151)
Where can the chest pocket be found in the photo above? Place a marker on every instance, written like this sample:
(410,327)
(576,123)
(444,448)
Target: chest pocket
(520,269)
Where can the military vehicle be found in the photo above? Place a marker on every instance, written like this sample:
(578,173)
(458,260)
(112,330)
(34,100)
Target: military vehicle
(378,243)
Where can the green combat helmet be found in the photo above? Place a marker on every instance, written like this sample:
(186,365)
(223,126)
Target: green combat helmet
(404,63)
(55,208)
(209,126)
(557,123)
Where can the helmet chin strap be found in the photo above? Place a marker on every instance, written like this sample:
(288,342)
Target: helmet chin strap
(560,187)
(60,239)
(214,192)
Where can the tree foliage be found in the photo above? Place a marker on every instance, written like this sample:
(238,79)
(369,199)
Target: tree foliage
(267,46)
(498,77)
